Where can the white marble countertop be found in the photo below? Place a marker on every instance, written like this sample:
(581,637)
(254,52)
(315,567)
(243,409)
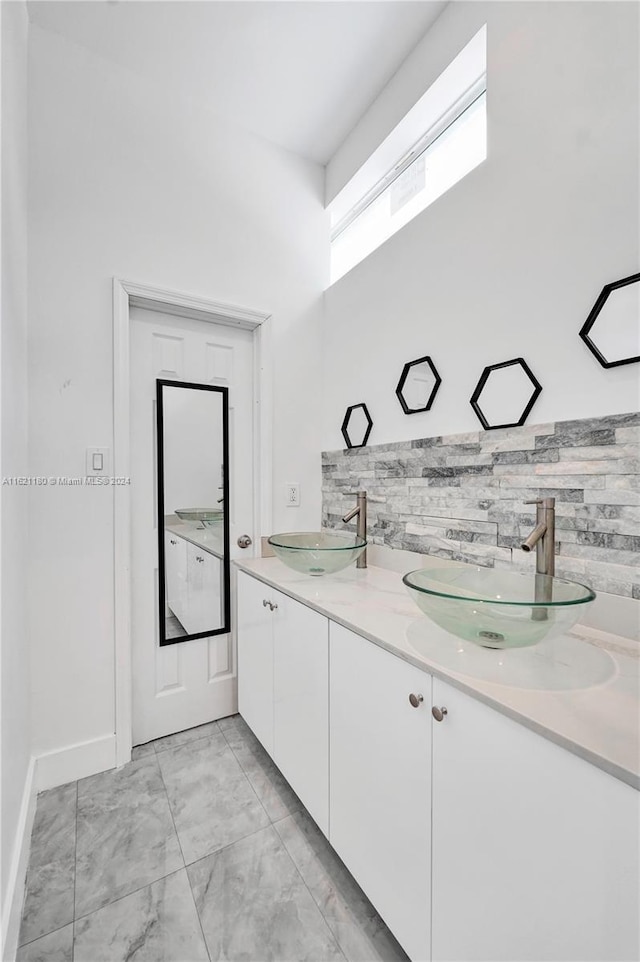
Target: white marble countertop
(580,690)
(210,539)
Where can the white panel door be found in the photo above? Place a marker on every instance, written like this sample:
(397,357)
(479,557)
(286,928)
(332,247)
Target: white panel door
(380,782)
(535,851)
(188,683)
(255,657)
(301,703)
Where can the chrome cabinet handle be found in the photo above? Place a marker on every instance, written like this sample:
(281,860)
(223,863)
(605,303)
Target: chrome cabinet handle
(172,541)
(415,700)
(198,558)
(244,541)
(439,713)
(268,604)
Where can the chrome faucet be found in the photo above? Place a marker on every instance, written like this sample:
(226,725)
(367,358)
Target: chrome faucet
(361,511)
(543,536)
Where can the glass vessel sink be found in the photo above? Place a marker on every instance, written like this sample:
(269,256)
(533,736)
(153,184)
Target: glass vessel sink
(317,552)
(206,516)
(498,609)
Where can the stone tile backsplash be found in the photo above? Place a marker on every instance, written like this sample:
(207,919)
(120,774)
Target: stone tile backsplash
(462,496)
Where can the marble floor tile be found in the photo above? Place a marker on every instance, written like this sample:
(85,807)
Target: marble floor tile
(55,947)
(229,721)
(275,793)
(254,905)
(158,923)
(211,799)
(126,836)
(359,930)
(181,738)
(48,901)
(140,751)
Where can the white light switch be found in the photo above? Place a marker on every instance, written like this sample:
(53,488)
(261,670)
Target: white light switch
(97,461)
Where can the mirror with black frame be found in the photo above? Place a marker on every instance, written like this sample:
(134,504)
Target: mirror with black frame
(193,521)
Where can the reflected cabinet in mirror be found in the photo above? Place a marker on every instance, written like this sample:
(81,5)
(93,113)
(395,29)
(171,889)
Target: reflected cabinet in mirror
(193,524)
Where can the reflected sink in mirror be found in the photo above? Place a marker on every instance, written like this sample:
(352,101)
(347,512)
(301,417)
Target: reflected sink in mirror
(206,516)
(317,552)
(498,609)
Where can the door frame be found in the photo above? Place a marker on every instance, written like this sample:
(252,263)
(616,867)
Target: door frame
(128,294)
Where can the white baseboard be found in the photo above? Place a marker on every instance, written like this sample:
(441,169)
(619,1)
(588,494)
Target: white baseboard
(75,761)
(12,908)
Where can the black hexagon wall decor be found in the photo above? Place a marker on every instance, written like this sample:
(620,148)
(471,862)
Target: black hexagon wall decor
(418,385)
(612,329)
(505,394)
(356,426)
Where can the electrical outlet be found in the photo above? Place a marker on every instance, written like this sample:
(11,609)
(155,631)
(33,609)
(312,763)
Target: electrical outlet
(292,496)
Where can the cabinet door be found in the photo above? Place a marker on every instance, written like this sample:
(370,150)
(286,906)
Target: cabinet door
(301,703)
(175,549)
(380,782)
(535,851)
(195,590)
(255,658)
(212,616)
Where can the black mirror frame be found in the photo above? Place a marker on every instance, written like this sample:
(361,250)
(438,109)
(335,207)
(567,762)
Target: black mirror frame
(484,377)
(226,566)
(345,425)
(402,381)
(593,315)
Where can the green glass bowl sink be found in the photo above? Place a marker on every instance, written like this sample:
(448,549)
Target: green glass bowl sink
(207,516)
(498,609)
(317,552)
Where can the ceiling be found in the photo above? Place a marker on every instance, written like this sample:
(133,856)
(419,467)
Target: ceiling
(299,73)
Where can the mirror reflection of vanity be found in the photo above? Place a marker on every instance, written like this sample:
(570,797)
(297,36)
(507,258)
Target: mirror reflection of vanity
(193,528)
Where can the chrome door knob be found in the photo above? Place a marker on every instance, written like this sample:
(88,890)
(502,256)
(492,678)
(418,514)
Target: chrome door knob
(415,700)
(439,713)
(244,541)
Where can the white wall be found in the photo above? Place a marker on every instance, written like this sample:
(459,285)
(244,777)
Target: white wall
(13,500)
(125,182)
(192,448)
(509,262)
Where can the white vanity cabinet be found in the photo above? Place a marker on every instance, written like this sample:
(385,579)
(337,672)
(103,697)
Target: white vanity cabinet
(283,667)
(475,838)
(535,851)
(194,584)
(380,781)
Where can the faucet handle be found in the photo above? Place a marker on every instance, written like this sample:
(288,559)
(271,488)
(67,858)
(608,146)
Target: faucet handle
(534,501)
